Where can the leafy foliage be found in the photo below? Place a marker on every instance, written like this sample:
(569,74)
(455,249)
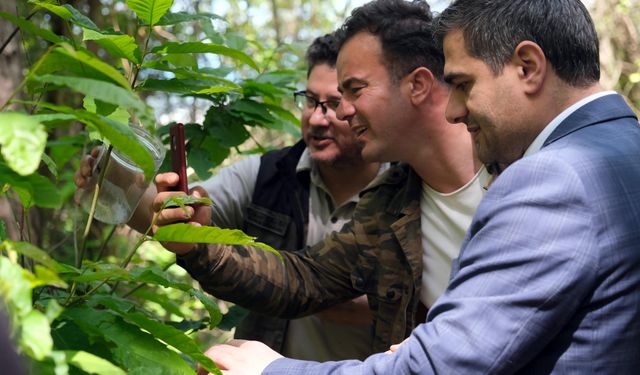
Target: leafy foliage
(95,314)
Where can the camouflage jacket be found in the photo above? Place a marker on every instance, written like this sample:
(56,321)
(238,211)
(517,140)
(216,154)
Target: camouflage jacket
(379,254)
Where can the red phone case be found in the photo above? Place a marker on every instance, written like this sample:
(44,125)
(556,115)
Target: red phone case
(178,156)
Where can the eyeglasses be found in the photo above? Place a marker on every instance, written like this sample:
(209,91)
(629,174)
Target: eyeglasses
(308,102)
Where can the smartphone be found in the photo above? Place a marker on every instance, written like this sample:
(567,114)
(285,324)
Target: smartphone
(178,156)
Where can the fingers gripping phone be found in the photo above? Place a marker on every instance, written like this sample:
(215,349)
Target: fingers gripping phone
(178,156)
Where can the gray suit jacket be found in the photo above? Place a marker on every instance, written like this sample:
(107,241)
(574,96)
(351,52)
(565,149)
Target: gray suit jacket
(548,278)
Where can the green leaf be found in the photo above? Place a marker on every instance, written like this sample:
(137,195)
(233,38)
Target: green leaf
(120,115)
(204,76)
(33,190)
(53,117)
(185,200)
(119,135)
(170,305)
(23,140)
(150,11)
(3,230)
(179,86)
(35,335)
(199,47)
(51,165)
(188,233)
(30,29)
(168,334)
(102,271)
(45,276)
(91,62)
(135,351)
(203,160)
(92,364)
(154,275)
(232,318)
(15,288)
(68,13)
(106,91)
(215,315)
(28,250)
(179,17)
(253,112)
(118,45)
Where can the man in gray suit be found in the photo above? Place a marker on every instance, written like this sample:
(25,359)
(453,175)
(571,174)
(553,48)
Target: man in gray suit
(548,277)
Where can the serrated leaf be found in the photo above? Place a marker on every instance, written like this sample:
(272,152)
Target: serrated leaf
(168,334)
(150,11)
(91,62)
(253,112)
(204,76)
(23,140)
(188,233)
(168,304)
(68,13)
(118,45)
(92,364)
(199,47)
(119,135)
(31,251)
(29,28)
(136,351)
(80,63)
(106,91)
(102,271)
(179,17)
(174,85)
(154,275)
(33,189)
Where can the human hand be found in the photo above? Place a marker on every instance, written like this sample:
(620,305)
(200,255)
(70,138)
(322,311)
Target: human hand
(241,357)
(84,173)
(197,214)
(354,312)
(394,348)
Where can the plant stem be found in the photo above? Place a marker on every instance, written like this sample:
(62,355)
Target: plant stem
(106,241)
(15,32)
(24,81)
(133,251)
(94,201)
(137,287)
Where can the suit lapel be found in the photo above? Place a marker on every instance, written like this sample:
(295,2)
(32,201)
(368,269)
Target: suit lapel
(604,109)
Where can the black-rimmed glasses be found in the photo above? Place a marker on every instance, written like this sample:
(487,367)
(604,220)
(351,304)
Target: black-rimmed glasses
(305,101)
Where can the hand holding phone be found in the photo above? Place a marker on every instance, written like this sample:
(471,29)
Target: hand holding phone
(178,156)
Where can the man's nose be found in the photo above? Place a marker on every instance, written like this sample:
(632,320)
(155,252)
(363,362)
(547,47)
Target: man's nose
(318,117)
(456,111)
(345,110)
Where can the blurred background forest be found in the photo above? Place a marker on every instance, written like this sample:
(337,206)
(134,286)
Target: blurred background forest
(275,34)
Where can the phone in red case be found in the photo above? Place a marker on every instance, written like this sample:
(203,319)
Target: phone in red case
(178,156)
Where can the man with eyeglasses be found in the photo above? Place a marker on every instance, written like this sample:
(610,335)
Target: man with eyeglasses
(291,198)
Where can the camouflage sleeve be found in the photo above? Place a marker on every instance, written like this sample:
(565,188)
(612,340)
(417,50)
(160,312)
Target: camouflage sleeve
(301,283)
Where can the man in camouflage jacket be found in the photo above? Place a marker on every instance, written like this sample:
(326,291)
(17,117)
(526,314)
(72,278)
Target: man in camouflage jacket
(378,254)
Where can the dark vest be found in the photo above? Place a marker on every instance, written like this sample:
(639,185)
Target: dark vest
(278,216)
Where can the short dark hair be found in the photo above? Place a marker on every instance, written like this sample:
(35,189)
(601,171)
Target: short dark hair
(405,30)
(323,50)
(493,28)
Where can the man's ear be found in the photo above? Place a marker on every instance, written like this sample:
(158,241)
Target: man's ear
(531,63)
(419,84)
